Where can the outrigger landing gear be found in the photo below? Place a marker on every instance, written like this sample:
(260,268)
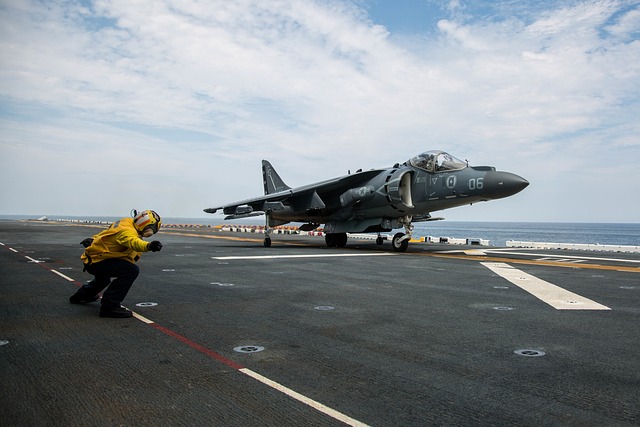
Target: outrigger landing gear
(267,236)
(400,241)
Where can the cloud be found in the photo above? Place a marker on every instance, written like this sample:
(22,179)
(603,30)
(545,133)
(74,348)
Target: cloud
(187,97)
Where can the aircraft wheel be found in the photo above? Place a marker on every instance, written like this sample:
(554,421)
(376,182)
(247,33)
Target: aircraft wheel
(330,240)
(267,242)
(379,240)
(398,244)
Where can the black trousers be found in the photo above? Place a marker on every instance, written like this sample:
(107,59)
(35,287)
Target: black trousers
(125,274)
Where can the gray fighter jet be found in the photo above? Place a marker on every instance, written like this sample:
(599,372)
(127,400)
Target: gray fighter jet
(378,200)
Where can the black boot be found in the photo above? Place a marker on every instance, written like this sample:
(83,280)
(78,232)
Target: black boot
(83,297)
(115,311)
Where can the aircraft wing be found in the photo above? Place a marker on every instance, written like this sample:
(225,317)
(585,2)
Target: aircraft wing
(305,197)
(341,184)
(256,203)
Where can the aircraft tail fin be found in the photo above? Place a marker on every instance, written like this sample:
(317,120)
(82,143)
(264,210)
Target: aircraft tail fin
(272,181)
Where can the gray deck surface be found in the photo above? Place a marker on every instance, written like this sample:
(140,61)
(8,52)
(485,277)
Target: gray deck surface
(365,335)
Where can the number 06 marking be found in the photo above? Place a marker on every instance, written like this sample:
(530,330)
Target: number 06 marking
(476,183)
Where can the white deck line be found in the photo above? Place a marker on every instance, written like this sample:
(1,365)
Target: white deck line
(304,399)
(299,256)
(555,296)
(62,275)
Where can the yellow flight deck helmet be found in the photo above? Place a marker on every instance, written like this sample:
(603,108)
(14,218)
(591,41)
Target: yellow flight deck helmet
(147,219)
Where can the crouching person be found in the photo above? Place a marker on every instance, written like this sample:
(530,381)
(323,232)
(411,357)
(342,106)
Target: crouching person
(113,253)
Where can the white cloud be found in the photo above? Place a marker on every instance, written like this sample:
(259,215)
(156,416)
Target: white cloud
(627,26)
(191,95)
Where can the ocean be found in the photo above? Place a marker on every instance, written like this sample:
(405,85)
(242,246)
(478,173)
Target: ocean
(627,234)
(556,232)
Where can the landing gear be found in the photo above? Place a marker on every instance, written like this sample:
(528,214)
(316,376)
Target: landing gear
(267,235)
(400,241)
(334,240)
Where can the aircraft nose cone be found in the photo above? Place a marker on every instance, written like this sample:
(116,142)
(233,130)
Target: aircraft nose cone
(503,184)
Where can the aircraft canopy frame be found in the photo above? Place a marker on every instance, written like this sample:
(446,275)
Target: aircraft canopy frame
(437,161)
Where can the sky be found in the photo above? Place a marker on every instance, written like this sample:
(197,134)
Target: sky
(113,105)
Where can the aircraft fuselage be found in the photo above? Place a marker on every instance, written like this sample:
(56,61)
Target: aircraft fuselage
(379,199)
(404,191)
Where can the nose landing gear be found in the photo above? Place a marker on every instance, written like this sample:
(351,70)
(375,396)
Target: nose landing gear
(400,241)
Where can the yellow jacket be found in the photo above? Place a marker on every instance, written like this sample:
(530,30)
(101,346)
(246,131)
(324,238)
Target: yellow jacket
(120,240)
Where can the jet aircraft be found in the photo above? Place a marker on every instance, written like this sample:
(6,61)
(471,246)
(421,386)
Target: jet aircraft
(377,200)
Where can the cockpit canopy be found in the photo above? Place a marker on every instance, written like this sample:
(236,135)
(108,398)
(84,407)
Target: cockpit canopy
(437,161)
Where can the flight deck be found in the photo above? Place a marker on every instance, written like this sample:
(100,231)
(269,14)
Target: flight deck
(228,332)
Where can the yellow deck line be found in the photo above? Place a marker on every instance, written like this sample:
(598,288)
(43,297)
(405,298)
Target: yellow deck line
(537,262)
